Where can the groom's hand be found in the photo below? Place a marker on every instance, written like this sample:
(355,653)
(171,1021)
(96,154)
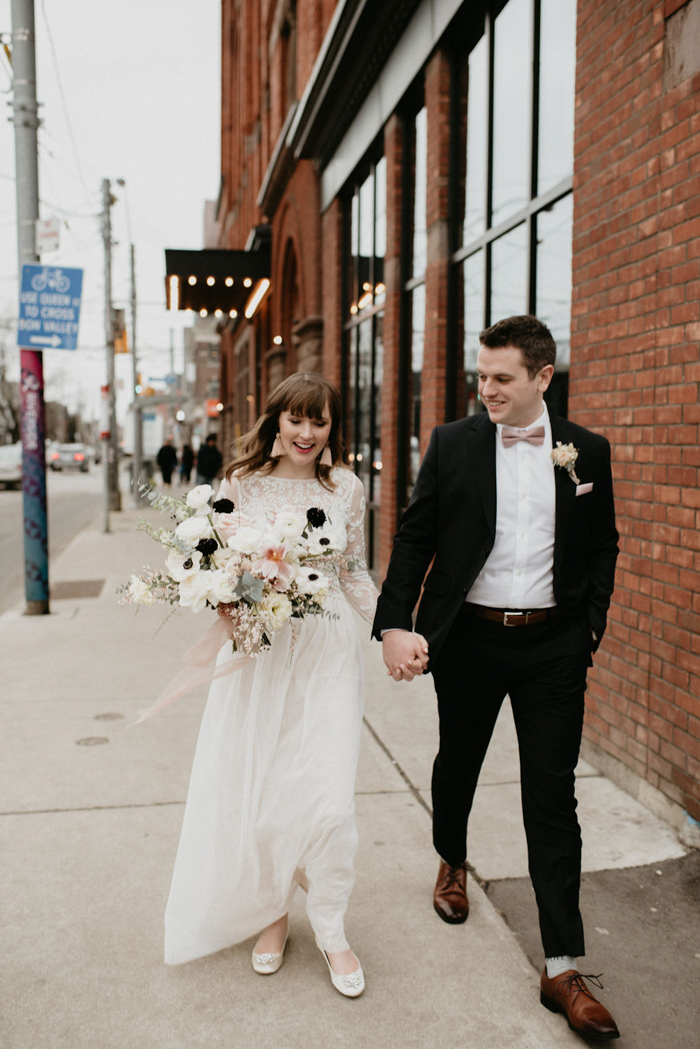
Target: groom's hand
(405,654)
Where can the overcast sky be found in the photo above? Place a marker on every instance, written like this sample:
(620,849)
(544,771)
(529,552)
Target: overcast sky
(127,90)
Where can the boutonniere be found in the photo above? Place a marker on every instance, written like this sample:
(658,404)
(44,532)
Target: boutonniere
(565,456)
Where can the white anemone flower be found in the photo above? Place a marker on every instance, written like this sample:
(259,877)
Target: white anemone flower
(310,581)
(199,497)
(288,525)
(246,541)
(181,566)
(326,540)
(194,591)
(192,529)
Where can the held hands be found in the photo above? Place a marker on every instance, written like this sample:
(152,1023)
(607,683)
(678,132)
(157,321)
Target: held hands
(405,654)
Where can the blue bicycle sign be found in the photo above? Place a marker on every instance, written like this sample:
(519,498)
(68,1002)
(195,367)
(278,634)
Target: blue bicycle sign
(49,307)
(53,279)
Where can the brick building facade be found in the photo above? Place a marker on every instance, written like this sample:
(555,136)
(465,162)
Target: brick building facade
(424,167)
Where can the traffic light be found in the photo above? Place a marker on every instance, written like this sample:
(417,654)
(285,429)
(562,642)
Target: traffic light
(121,344)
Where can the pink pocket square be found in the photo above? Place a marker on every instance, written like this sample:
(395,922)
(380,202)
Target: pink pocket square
(584,489)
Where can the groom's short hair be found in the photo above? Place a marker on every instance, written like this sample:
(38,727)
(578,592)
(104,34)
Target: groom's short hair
(530,336)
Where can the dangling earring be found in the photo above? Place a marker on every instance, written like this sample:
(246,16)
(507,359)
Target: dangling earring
(277,448)
(326,457)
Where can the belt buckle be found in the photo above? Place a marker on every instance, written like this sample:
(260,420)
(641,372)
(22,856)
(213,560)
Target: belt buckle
(517,616)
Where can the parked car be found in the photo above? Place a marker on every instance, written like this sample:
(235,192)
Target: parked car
(11,465)
(70,457)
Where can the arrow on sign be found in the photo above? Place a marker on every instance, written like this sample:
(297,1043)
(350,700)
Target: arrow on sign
(45,341)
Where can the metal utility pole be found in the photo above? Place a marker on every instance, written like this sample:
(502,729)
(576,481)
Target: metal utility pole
(113,498)
(138,418)
(26,121)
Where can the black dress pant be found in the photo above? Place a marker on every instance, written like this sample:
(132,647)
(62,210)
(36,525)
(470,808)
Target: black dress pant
(542,667)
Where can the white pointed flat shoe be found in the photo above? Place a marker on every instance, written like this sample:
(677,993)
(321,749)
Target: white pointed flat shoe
(268,963)
(352,985)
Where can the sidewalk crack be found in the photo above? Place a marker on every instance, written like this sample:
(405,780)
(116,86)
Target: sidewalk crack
(91,808)
(404,775)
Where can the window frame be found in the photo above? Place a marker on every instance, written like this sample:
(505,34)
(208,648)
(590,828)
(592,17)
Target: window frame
(527,214)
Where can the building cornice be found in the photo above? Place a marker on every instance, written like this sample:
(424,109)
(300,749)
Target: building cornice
(361,36)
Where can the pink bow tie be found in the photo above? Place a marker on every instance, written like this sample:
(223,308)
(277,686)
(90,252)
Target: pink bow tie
(511,436)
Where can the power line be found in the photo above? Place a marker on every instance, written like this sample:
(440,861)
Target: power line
(63,102)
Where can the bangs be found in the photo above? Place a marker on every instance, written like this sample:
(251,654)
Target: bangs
(309,399)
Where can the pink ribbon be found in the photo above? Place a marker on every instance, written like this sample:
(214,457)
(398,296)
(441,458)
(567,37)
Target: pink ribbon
(201,668)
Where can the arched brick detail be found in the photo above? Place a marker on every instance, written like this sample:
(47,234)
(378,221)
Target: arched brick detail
(296,264)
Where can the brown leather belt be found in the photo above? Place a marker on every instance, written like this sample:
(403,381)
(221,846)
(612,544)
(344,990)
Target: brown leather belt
(510,617)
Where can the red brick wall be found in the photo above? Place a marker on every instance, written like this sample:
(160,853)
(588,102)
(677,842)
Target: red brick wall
(297,220)
(437,103)
(393,152)
(635,373)
(332,291)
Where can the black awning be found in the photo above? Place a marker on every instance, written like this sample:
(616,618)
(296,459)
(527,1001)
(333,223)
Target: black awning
(214,279)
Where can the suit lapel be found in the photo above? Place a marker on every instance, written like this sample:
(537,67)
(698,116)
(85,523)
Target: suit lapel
(482,458)
(565,489)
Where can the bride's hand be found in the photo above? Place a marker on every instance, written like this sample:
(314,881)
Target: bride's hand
(405,654)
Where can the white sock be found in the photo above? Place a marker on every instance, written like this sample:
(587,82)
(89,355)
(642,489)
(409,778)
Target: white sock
(559,964)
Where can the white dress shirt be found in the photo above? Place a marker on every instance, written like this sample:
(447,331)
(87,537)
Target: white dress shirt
(519,570)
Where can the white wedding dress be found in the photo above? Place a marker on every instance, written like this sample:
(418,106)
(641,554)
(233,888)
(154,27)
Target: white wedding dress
(271,798)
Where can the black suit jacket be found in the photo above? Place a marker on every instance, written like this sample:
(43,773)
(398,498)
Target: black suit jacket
(451,517)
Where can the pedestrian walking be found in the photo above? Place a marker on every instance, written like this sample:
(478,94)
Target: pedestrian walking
(167,461)
(271,800)
(513,514)
(209,461)
(186,463)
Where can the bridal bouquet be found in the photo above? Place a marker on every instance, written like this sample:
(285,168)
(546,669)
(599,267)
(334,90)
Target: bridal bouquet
(257,580)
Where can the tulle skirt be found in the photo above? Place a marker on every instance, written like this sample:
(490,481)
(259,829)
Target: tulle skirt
(271,798)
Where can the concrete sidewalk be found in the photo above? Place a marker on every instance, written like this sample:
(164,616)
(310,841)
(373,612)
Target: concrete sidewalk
(90,816)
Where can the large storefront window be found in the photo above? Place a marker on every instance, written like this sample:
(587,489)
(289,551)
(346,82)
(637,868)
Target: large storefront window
(514,204)
(364,338)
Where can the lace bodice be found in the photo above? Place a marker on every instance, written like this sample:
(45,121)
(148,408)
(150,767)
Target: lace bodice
(259,498)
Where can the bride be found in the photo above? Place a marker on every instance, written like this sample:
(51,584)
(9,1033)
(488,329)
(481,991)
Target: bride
(271,799)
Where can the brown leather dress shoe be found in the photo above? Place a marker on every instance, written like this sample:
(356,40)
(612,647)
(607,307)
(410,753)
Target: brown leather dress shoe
(450,896)
(568,994)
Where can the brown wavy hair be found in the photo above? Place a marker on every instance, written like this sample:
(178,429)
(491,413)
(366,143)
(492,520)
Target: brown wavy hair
(302,394)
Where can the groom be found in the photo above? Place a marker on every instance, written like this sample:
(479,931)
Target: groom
(512,517)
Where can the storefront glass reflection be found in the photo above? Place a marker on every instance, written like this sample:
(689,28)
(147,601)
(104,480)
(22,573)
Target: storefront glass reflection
(511,108)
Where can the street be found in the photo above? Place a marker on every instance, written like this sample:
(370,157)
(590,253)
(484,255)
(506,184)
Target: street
(74,499)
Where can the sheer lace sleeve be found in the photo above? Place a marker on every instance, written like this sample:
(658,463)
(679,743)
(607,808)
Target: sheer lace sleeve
(355,581)
(228,524)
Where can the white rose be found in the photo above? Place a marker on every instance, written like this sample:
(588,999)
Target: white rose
(288,525)
(221,556)
(311,581)
(193,528)
(139,592)
(246,541)
(199,496)
(194,591)
(221,586)
(278,609)
(180,566)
